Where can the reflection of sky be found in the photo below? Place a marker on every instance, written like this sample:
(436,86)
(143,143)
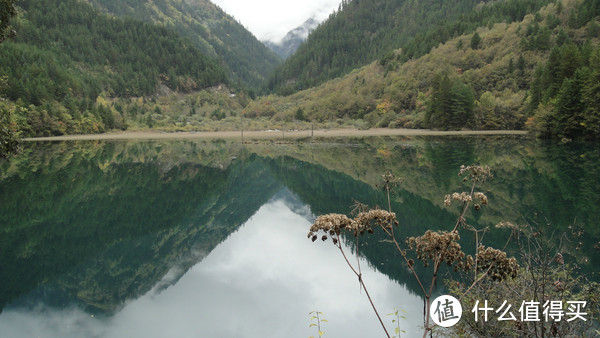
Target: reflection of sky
(261,282)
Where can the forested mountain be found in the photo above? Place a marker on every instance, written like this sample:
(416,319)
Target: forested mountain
(67,53)
(507,64)
(540,73)
(363,31)
(217,34)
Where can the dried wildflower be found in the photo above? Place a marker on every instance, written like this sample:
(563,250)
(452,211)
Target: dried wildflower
(358,207)
(462,197)
(499,265)
(390,181)
(365,220)
(475,173)
(333,224)
(440,246)
(447,200)
(482,197)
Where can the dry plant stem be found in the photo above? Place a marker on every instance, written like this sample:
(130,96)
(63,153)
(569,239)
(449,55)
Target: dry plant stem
(362,284)
(438,262)
(428,297)
(477,259)
(483,275)
(358,259)
(390,233)
(403,254)
(461,218)
(388,198)
(427,302)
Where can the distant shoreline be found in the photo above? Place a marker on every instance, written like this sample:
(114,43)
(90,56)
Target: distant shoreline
(270,134)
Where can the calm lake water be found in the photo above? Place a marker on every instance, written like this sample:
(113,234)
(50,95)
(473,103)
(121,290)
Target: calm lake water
(187,238)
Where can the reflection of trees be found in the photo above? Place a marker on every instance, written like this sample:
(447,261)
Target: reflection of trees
(108,219)
(103,227)
(568,173)
(328,191)
(445,155)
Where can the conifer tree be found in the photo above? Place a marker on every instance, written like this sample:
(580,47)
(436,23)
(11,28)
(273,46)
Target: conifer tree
(475,41)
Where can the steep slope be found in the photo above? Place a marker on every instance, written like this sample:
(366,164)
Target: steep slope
(209,28)
(66,54)
(502,76)
(363,31)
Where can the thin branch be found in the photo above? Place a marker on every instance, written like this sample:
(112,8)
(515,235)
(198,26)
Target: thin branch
(403,254)
(362,283)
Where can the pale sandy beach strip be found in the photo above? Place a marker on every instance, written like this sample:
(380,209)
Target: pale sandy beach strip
(271,134)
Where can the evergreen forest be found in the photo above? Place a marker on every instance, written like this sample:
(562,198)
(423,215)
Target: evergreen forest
(67,53)
(363,31)
(502,65)
(74,66)
(246,60)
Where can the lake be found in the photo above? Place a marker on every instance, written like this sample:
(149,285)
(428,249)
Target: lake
(208,238)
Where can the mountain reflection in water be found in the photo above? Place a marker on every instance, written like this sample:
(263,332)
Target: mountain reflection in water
(261,282)
(208,238)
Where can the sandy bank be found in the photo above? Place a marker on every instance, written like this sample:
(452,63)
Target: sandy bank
(141,135)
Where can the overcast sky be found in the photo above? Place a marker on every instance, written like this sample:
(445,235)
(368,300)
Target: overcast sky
(272,19)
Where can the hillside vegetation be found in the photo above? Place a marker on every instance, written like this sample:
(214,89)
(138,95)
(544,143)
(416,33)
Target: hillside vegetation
(363,31)
(511,64)
(540,73)
(247,61)
(66,55)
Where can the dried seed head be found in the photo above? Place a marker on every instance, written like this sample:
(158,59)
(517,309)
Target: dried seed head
(437,247)
(500,266)
(462,197)
(482,197)
(475,173)
(447,200)
(333,224)
(374,217)
(390,181)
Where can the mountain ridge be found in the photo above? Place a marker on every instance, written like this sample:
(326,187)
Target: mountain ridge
(293,39)
(501,76)
(211,29)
